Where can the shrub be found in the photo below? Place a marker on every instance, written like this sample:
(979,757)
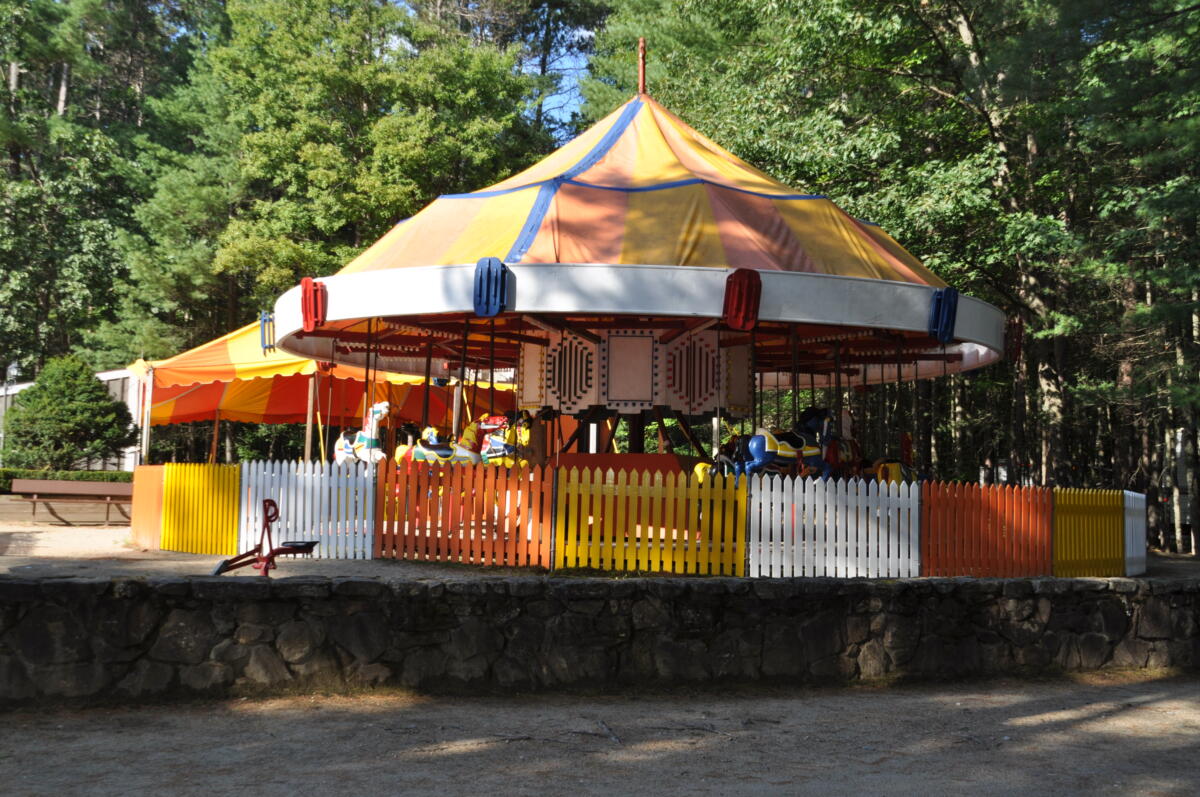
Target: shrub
(65,416)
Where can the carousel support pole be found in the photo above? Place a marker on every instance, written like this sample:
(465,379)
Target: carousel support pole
(593,438)
(428,373)
(492,369)
(462,375)
(689,435)
(637,433)
(664,440)
(755,383)
(837,381)
(577,435)
(794,346)
(308,416)
(611,435)
(716,435)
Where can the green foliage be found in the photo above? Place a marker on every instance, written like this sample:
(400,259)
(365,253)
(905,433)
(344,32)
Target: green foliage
(8,474)
(64,417)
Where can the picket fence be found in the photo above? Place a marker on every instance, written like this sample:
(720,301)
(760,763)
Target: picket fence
(650,521)
(1135,533)
(1089,538)
(467,514)
(985,531)
(847,529)
(333,504)
(199,508)
(641,521)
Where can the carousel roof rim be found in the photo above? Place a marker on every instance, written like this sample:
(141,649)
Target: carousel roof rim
(642,291)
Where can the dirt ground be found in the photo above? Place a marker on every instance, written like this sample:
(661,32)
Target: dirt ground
(1112,734)
(45,551)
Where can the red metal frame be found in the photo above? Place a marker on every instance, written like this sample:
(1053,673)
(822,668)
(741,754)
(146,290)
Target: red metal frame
(260,557)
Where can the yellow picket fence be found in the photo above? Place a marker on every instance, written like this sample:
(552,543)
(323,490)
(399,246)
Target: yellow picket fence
(1089,532)
(650,522)
(200,508)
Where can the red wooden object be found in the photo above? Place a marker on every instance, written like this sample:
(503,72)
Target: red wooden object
(743,292)
(313,301)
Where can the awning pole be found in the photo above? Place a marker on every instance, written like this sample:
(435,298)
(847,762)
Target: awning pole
(148,395)
(308,416)
(212,449)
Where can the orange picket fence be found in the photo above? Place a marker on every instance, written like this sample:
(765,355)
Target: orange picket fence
(471,514)
(970,530)
(650,521)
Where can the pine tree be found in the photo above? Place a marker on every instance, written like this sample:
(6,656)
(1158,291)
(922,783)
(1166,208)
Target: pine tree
(66,416)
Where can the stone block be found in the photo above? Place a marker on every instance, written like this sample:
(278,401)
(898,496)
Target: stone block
(359,588)
(229,652)
(782,652)
(1153,619)
(49,634)
(525,587)
(231,588)
(14,681)
(185,637)
(147,678)
(821,636)
(858,629)
(249,633)
(296,641)
(75,590)
(423,667)
(364,636)
(1094,649)
(270,613)
(650,612)
(300,587)
(206,676)
(81,679)
(320,668)
(265,667)
(169,586)
(1130,652)
(370,674)
(19,590)
(872,660)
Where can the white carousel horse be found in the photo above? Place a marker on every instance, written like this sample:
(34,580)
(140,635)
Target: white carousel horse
(366,444)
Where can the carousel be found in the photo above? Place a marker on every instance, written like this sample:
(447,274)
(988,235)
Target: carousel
(640,274)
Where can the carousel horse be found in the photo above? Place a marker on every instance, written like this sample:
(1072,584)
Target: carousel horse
(803,450)
(430,448)
(365,444)
(507,441)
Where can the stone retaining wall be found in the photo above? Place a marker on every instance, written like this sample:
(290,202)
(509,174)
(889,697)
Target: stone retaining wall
(126,637)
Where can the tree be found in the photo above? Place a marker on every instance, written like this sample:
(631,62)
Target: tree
(66,416)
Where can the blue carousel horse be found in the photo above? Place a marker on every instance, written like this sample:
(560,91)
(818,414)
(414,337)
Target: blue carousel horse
(800,451)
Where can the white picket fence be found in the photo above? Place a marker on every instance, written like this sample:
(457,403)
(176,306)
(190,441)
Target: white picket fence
(334,504)
(847,529)
(1135,533)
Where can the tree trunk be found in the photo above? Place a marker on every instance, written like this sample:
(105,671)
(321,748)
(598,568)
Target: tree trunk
(64,83)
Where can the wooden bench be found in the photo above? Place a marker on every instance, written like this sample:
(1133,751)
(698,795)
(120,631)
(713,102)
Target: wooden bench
(47,491)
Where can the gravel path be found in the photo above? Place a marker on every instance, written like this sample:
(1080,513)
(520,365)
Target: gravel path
(1102,735)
